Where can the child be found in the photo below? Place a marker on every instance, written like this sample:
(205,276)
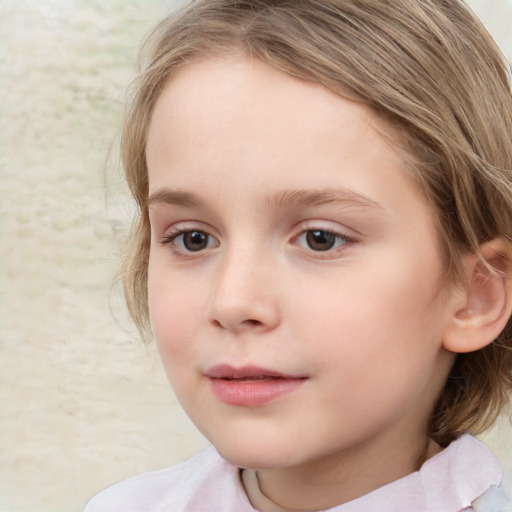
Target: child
(323,254)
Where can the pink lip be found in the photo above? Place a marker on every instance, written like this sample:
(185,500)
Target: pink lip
(250,386)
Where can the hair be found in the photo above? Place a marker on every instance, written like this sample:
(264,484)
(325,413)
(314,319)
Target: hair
(429,70)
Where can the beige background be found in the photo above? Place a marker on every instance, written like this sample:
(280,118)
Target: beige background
(82,402)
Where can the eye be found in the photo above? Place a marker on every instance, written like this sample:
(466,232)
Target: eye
(193,240)
(321,240)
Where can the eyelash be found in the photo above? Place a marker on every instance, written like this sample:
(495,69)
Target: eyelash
(339,241)
(171,240)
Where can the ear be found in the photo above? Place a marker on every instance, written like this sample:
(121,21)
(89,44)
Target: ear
(483,304)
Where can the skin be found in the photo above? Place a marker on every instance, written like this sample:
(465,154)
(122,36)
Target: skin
(363,322)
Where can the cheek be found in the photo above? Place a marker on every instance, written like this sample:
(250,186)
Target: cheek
(174,321)
(374,348)
(174,311)
(386,312)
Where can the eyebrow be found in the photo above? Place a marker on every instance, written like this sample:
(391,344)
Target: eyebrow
(176,197)
(279,199)
(304,198)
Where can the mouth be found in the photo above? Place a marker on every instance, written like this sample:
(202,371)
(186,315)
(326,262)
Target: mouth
(250,386)
(251,379)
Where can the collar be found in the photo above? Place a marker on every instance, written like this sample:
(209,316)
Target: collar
(448,482)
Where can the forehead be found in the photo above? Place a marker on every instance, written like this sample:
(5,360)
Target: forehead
(256,111)
(219,93)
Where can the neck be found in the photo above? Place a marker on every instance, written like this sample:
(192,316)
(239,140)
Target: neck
(344,476)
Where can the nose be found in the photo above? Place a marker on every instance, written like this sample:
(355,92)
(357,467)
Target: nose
(245,295)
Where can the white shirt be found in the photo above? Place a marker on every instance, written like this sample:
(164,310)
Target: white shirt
(451,481)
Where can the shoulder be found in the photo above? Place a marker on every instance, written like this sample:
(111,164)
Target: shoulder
(183,487)
(498,498)
(460,474)
(449,482)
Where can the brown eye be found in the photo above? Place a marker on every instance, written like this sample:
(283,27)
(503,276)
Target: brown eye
(190,241)
(320,240)
(194,241)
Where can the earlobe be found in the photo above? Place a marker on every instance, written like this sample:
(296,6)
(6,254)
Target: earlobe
(485,302)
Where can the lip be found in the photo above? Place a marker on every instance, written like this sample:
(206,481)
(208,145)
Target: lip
(250,386)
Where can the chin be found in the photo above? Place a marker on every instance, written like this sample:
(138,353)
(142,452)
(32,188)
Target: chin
(256,456)
(246,460)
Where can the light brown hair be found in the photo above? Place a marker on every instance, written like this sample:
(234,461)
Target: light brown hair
(429,70)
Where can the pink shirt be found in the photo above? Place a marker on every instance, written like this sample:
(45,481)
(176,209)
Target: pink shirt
(451,481)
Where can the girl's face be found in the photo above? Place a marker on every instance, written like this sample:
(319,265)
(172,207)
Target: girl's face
(294,271)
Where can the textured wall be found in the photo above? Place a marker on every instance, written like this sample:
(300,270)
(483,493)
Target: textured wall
(82,402)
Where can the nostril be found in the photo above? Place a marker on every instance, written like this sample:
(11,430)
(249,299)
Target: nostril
(216,323)
(251,322)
